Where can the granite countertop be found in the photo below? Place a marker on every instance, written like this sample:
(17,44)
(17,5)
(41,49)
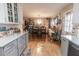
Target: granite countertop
(72,38)
(7,39)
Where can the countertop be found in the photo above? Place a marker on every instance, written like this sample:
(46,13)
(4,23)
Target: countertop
(7,39)
(72,38)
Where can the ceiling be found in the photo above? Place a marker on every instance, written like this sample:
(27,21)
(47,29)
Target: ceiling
(42,9)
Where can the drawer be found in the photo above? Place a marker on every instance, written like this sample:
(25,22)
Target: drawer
(11,53)
(10,45)
(11,48)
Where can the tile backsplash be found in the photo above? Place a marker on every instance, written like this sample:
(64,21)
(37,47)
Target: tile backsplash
(6,27)
(76,26)
(3,29)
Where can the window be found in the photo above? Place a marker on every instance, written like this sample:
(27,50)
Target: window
(53,22)
(68,22)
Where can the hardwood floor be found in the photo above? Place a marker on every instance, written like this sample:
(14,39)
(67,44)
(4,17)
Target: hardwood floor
(42,46)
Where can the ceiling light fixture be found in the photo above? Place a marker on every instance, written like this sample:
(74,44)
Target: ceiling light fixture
(39,21)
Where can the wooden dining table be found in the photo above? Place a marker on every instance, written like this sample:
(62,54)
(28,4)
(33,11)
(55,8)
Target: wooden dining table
(39,31)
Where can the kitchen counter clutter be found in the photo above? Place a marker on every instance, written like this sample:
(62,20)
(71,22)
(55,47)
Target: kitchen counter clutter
(65,45)
(13,45)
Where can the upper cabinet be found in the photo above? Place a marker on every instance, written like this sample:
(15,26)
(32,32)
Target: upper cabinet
(15,12)
(8,13)
(75,13)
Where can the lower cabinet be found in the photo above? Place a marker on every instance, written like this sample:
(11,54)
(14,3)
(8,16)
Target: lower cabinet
(10,49)
(1,51)
(73,49)
(21,44)
(64,46)
(14,48)
(26,39)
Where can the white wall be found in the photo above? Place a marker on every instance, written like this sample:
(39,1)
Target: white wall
(76,13)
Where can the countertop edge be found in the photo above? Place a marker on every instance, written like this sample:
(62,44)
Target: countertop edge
(7,40)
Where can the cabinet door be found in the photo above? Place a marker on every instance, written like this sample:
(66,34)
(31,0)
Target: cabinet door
(1,51)
(21,44)
(11,49)
(64,46)
(2,13)
(9,12)
(73,49)
(26,38)
(15,12)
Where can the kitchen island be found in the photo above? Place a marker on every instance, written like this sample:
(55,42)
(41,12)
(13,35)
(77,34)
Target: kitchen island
(13,45)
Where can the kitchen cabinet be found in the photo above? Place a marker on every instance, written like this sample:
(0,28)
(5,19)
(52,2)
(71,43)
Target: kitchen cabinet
(1,51)
(10,49)
(15,12)
(26,38)
(69,45)
(21,44)
(8,13)
(64,46)
(13,45)
(73,49)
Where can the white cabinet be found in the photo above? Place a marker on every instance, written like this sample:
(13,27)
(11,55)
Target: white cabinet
(10,49)
(26,38)
(1,51)
(15,47)
(21,44)
(64,46)
(15,6)
(8,13)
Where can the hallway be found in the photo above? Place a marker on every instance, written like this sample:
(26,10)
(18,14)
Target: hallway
(41,46)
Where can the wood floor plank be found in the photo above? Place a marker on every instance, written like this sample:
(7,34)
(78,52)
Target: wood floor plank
(42,46)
